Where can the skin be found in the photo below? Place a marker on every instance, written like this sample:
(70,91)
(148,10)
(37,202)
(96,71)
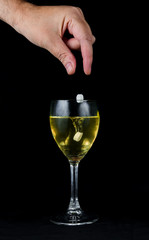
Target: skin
(45,26)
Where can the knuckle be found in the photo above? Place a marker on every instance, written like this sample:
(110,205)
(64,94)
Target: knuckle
(77,11)
(93,39)
(62,56)
(88,38)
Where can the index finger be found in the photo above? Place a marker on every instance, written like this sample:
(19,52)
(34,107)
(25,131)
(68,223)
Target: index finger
(81,31)
(87,55)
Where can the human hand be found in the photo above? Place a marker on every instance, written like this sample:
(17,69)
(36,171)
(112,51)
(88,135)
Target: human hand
(45,27)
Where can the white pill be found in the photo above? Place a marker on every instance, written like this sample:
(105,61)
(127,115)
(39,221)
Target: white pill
(77,137)
(79,98)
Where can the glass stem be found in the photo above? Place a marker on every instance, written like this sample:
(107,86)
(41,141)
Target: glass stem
(74,206)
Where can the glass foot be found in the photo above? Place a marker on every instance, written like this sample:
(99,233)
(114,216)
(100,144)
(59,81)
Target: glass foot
(74,219)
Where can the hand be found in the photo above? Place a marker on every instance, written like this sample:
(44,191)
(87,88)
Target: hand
(45,26)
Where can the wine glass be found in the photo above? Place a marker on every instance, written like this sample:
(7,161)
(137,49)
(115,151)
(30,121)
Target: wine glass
(74,125)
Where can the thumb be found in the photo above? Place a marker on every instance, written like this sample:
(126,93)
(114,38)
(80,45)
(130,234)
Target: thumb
(63,53)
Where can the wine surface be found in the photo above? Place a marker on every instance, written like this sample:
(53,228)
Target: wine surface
(74,135)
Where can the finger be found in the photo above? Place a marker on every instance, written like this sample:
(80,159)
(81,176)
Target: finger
(72,43)
(63,53)
(82,32)
(87,54)
(87,51)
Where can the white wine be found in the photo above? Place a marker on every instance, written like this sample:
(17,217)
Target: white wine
(74,135)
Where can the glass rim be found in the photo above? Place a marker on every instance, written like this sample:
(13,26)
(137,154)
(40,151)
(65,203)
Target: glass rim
(74,100)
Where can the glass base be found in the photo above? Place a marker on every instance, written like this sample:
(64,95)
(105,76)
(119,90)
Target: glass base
(74,219)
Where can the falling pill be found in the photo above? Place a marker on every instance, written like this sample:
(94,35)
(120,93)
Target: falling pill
(77,137)
(79,98)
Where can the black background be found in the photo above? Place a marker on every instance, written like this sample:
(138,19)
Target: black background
(34,174)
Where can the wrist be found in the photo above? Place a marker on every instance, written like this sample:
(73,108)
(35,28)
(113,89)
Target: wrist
(13,12)
(9,11)
(18,14)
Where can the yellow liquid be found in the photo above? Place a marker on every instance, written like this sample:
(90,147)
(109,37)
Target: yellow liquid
(74,135)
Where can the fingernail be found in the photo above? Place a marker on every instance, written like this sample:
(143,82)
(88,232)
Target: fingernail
(69,68)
